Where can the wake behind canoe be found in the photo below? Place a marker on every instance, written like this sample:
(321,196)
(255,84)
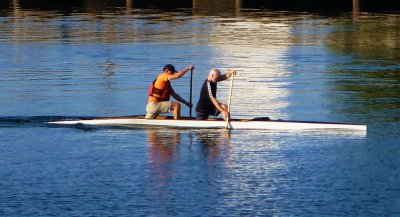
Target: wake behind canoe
(163,121)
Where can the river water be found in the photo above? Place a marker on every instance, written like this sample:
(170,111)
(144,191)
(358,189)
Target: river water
(298,66)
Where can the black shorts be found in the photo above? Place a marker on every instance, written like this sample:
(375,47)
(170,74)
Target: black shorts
(204,115)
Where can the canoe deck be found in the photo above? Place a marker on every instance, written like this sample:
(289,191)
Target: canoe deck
(186,122)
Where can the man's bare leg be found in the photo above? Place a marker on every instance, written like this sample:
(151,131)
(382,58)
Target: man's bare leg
(176,107)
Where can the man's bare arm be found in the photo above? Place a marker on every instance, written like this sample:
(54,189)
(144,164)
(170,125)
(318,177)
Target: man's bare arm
(180,73)
(227,75)
(180,99)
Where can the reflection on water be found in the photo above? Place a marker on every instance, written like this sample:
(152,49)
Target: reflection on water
(215,144)
(182,162)
(304,66)
(220,7)
(373,40)
(370,37)
(165,145)
(260,61)
(291,65)
(210,5)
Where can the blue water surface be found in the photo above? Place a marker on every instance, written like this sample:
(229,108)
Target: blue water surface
(299,66)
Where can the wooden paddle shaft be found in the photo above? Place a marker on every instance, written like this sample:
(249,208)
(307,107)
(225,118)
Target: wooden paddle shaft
(230,94)
(229,101)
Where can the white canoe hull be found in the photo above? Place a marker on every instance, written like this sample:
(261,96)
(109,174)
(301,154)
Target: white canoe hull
(234,124)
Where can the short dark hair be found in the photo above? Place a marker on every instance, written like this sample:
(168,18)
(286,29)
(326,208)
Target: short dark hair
(170,68)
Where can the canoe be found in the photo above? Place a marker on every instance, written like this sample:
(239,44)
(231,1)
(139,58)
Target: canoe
(256,123)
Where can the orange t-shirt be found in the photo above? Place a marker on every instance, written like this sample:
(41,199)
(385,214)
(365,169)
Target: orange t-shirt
(160,83)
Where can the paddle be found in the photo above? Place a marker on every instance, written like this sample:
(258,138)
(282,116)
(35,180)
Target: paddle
(191,81)
(229,101)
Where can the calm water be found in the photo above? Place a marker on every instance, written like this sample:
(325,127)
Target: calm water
(301,66)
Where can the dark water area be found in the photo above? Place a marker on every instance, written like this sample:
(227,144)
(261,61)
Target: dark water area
(289,5)
(97,60)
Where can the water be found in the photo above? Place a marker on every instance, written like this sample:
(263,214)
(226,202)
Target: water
(301,66)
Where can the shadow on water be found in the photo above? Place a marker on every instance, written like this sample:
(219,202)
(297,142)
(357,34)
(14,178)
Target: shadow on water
(15,121)
(41,121)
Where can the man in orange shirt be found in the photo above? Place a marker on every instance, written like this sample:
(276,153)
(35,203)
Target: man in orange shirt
(161,90)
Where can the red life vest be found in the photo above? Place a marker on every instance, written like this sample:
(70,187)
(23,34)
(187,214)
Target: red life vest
(160,94)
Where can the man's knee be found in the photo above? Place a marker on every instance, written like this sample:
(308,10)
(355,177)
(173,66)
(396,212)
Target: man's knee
(151,116)
(175,105)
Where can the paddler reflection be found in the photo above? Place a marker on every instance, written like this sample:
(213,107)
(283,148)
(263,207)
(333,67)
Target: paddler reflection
(162,145)
(215,144)
(176,157)
(166,147)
